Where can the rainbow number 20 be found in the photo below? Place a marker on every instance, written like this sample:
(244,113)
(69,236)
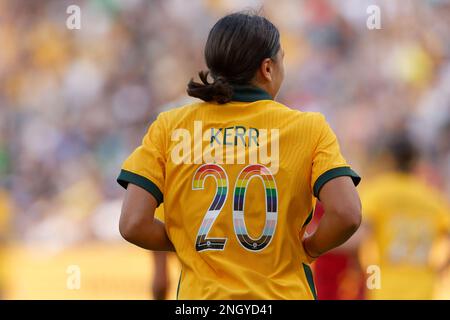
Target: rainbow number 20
(240,229)
(248,173)
(198,182)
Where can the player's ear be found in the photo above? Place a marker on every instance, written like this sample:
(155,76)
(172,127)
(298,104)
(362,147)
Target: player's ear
(266,69)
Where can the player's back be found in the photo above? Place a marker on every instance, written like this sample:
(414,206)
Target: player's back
(237,172)
(407,218)
(238,181)
(225,255)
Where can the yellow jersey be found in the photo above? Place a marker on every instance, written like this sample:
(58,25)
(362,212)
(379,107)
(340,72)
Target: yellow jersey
(239,182)
(406,218)
(159,212)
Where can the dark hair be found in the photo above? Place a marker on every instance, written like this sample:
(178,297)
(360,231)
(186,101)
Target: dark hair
(236,46)
(403,151)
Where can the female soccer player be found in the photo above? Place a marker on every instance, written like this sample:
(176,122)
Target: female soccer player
(239,174)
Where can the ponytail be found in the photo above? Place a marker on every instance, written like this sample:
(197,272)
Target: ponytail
(219,90)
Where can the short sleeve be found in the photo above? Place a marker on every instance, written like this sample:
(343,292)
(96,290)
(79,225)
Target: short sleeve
(145,167)
(328,162)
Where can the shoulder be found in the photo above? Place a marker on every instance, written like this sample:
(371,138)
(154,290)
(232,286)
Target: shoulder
(433,196)
(172,117)
(315,118)
(376,186)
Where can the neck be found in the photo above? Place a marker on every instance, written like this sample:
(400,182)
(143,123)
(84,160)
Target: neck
(250,93)
(265,87)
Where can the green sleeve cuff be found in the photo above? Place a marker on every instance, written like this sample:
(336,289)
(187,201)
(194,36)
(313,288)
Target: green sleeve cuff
(334,173)
(126,177)
(308,219)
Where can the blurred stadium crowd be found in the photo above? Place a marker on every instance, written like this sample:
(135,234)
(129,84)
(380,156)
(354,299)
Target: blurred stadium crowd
(74,103)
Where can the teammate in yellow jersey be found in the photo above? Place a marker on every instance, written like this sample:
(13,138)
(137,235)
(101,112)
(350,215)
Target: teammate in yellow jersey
(406,218)
(239,174)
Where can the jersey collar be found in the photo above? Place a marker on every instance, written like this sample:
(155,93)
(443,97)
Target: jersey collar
(248,93)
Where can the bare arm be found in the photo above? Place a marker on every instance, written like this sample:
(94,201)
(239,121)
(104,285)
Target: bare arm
(341,219)
(137,224)
(352,245)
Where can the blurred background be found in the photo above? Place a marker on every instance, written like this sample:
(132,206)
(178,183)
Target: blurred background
(75,103)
